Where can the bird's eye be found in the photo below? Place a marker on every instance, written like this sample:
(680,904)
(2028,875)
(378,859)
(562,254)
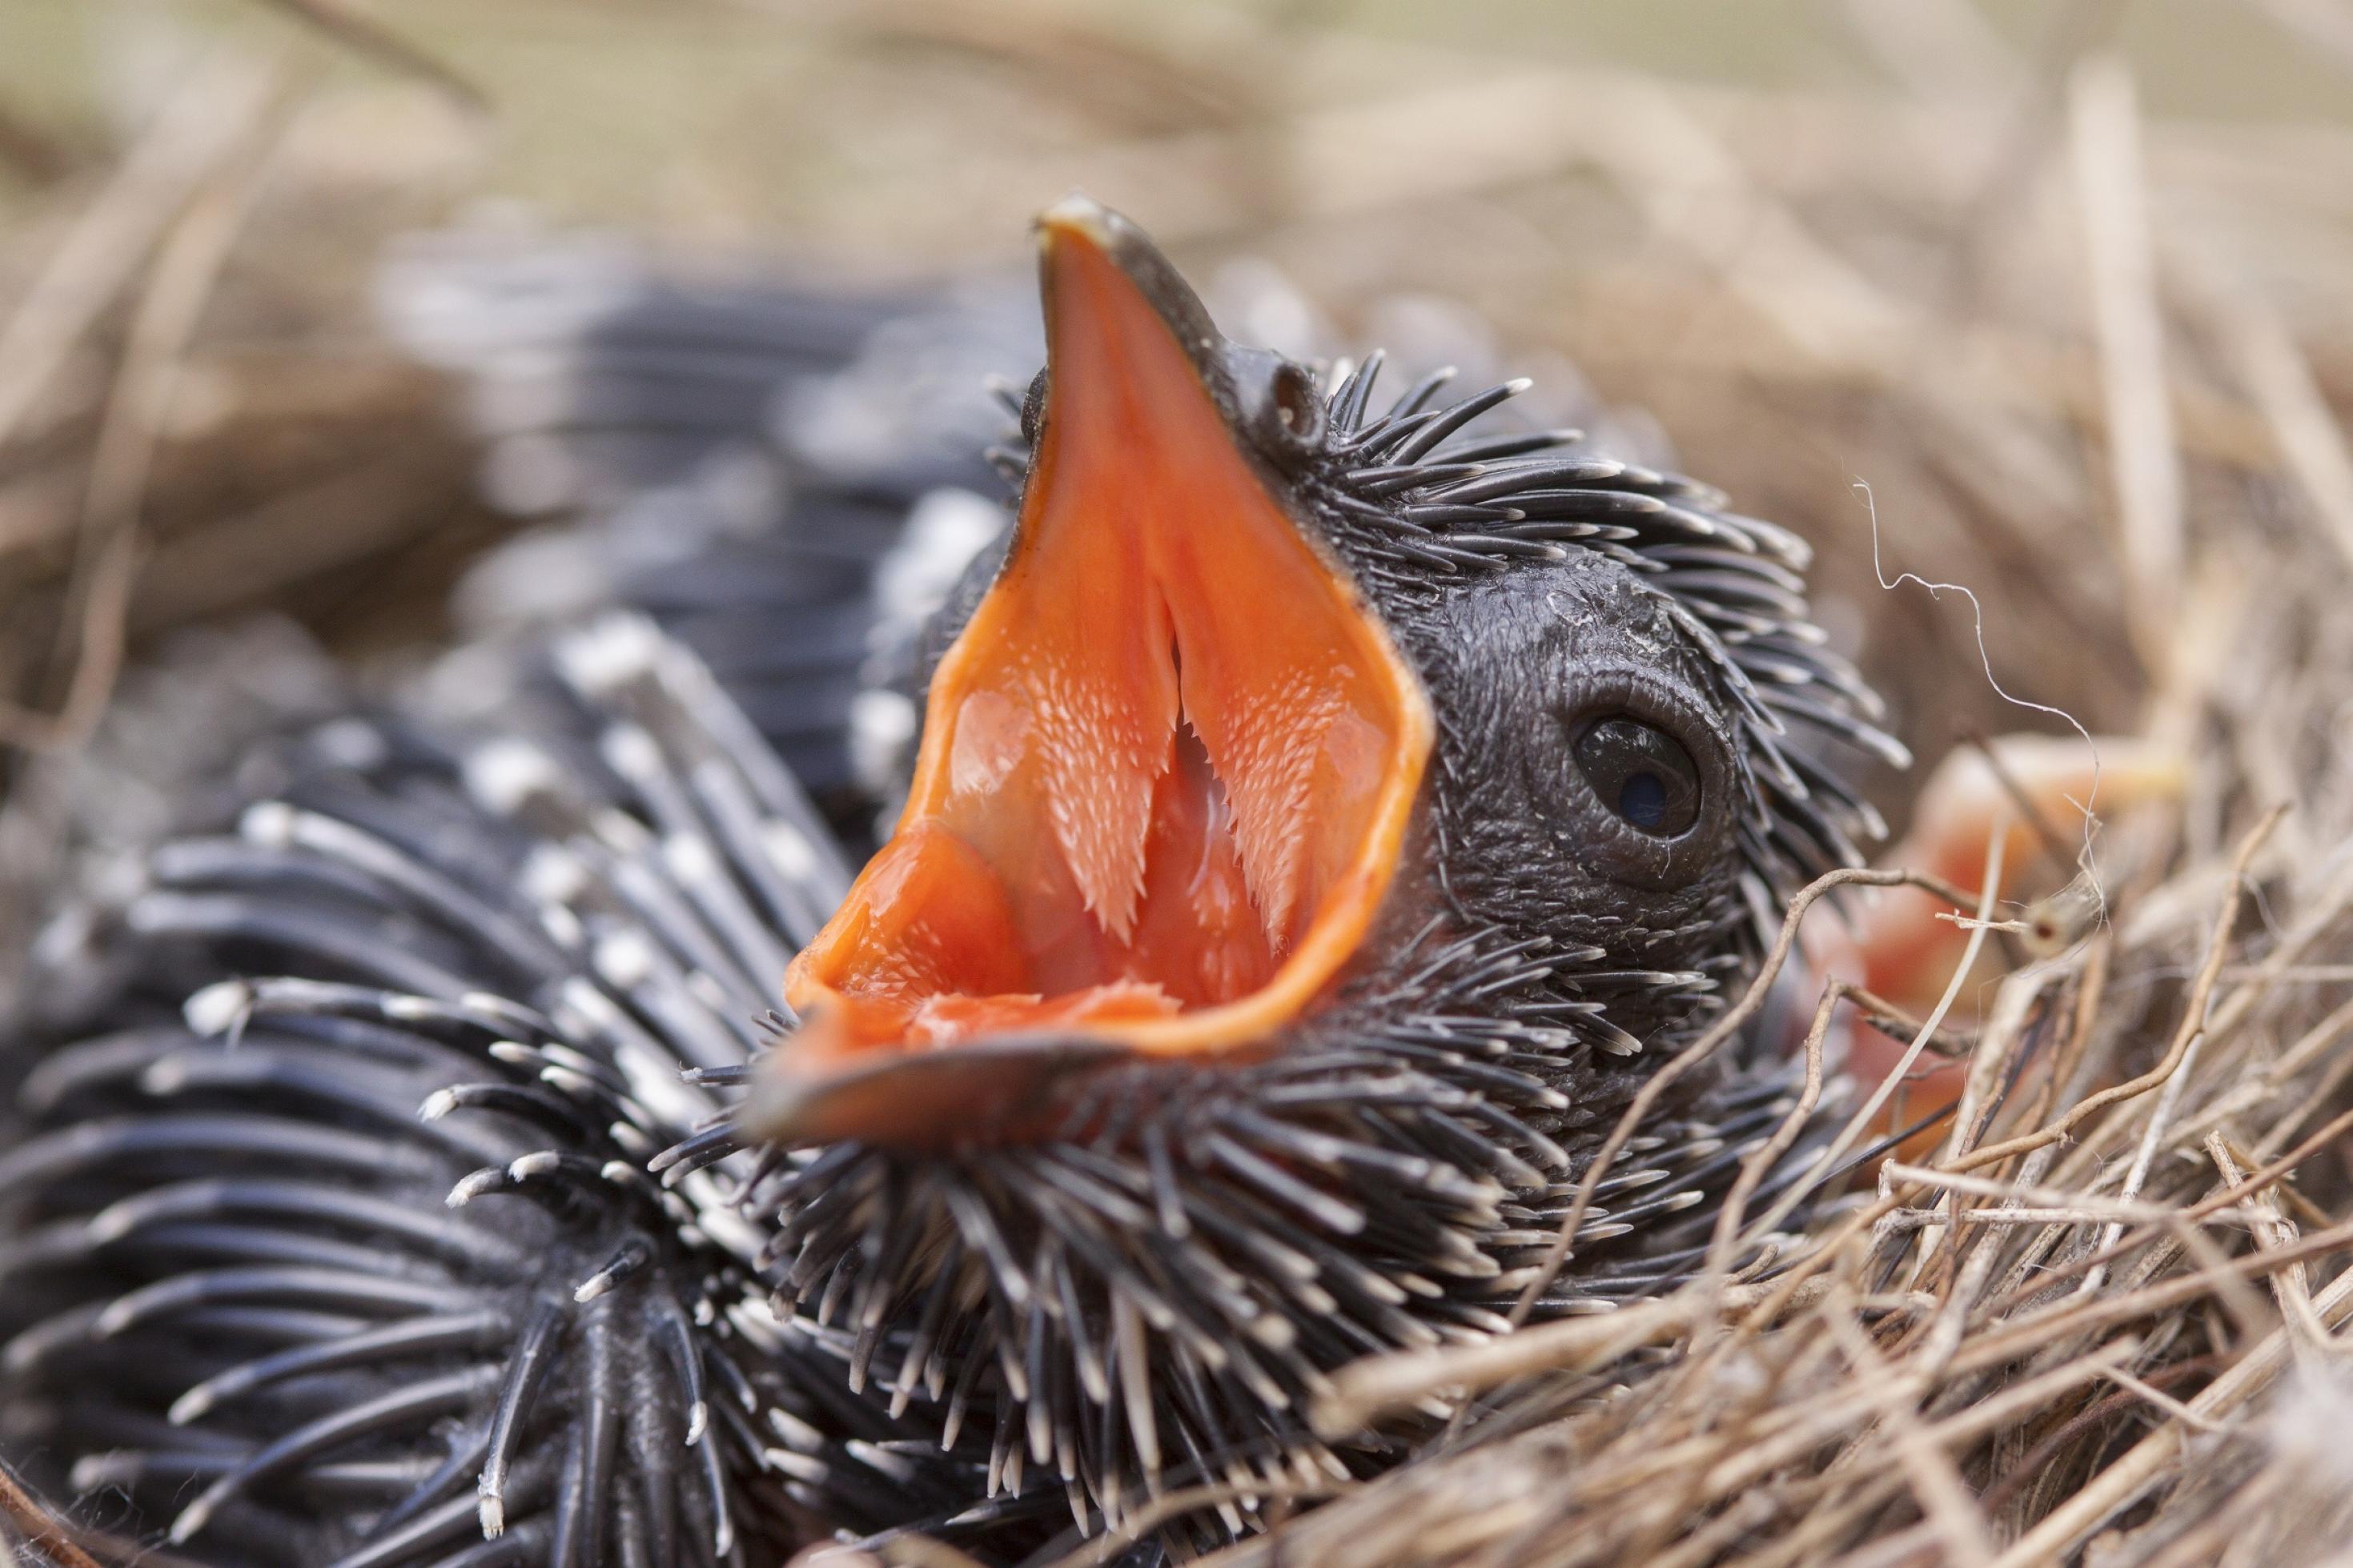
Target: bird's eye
(1642,774)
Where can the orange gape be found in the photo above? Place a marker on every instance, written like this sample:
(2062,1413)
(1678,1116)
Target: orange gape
(1166,768)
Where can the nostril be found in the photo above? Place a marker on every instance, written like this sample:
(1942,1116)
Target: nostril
(1292,415)
(1295,403)
(1289,405)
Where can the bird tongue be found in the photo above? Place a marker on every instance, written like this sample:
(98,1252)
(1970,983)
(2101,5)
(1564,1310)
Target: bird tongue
(1167,767)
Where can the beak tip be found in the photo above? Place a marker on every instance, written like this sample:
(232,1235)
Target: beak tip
(1078,217)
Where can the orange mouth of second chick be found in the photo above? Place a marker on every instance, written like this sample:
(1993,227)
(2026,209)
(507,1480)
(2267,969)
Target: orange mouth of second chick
(1166,768)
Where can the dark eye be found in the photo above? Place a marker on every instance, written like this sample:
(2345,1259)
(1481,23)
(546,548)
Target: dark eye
(1642,774)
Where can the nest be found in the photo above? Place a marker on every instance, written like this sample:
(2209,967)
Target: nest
(2093,366)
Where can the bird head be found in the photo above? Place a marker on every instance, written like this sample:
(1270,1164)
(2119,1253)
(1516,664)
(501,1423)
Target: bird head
(1324,820)
(1263,696)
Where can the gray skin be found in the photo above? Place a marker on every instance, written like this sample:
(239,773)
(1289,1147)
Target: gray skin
(1525,662)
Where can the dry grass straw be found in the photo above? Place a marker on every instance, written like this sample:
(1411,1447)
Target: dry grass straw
(2094,368)
(2104,1318)
(197,417)
(1996,1356)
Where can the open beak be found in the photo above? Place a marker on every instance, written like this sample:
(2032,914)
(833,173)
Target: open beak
(1166,769)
